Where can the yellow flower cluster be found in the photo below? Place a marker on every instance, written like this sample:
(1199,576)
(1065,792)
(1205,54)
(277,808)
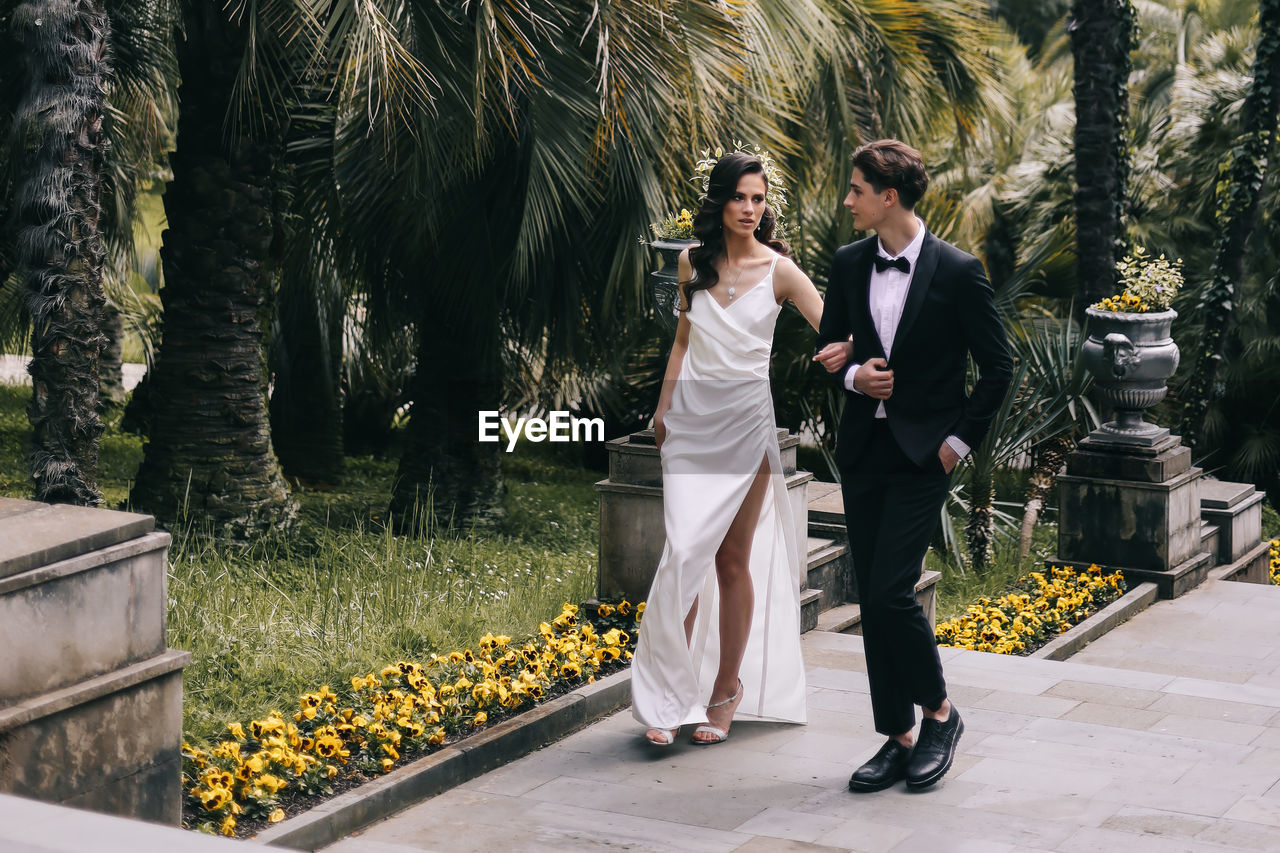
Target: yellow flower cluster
(1125,302)
(675,227)
(1149,284)
(406,707)
(1040,606)
(1275,561)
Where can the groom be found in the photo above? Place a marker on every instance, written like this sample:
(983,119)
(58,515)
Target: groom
(916,307)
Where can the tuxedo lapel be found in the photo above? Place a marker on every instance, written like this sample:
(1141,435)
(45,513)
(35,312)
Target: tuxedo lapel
(926,265)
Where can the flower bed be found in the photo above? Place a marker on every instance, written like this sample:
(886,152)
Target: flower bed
(1275,561)
(1040,606)
(338,739)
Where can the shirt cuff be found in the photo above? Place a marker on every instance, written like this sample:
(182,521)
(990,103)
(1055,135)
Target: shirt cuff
(848,377)
(954,442)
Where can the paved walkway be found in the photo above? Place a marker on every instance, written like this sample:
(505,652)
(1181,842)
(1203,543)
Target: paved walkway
(13,371)
(1162,736)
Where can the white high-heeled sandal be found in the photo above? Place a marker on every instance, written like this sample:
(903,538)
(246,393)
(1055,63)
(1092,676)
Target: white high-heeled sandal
(668,736)
(721,735)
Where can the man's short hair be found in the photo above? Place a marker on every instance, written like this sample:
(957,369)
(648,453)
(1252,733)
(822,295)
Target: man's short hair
(889,163)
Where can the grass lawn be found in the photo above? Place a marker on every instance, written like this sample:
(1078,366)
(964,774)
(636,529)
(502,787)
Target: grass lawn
(341,595)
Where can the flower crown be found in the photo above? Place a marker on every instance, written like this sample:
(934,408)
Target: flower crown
(775,196)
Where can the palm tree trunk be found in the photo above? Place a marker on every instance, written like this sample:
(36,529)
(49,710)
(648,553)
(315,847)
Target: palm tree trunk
(209,455)
(1238,192)
(1049,461)
(111,366)
(306,411)
(443,469)
(60,245)
(979,530)
(1102,33)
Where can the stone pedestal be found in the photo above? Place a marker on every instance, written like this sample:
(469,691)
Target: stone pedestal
(632,533)
(90,697)
(1136,509)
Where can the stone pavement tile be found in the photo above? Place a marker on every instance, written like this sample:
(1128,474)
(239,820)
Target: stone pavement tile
(841,659)
(977,718)
(1065,670)
(560,827)
(1270,737)
(1146,821)
(896,807)
(1207,729)
(1263,810)
(1214,709)
(1248,694)
(856,704)
(818,743)
(958,672)
(925,840)
(750,735)
(1256,774)
(853,681)
(793,825)
(1075,811)
(1028,705)
(1240,835)
(1173,661)
(1114,716)
(1106,694)
(864,836)
(828,772)
(356,844)
(1171,796)
(1030,776)
(830,640)
(964,695)
(1052,755)
(713,801)
(1099,840)
(764,844)
(1141,744)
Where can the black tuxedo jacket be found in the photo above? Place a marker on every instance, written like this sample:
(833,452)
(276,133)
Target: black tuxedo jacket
(949,313)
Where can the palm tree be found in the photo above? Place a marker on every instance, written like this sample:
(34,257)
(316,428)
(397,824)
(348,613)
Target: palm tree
(1101,38)
(209,450)
(60,246)
(1237,195)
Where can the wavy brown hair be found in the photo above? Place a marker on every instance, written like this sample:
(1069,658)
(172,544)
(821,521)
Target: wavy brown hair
(708,224)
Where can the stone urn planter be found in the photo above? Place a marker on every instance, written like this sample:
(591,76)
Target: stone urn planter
(1131,357)
(666,291)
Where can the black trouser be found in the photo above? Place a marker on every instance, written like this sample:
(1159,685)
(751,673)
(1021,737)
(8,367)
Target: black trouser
(891,508)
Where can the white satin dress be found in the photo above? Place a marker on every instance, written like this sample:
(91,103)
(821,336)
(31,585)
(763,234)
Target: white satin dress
(719,428)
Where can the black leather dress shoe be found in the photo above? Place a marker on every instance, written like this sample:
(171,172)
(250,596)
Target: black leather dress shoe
(935,750)
(885,768)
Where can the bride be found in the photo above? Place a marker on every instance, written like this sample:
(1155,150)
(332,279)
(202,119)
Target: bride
(716,646)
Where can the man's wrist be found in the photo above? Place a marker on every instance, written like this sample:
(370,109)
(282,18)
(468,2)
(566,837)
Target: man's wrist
(849,374)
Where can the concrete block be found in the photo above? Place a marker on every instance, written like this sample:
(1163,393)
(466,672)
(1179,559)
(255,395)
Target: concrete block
(1239,522)
(82,617)
(39,534)
(1129,466)
(108,744)
(1130,524)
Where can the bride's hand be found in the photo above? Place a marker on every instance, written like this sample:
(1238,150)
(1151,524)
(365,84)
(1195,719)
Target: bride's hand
(659,429)
(835,356)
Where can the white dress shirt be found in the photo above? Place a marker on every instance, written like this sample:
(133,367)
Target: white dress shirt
(887,296)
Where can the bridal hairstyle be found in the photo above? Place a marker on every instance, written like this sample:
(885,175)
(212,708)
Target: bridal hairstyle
(708,224)
(888,163)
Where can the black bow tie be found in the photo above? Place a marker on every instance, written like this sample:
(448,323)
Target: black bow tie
(883,264)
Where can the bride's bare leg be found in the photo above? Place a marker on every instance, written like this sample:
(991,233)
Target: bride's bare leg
(737,599)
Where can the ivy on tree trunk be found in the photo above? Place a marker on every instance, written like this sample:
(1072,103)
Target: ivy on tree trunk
(1236,194)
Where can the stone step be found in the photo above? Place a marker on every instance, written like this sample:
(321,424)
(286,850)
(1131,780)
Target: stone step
(818,543)
(810,609)
(843,619)
(108,607)
(1210,534)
